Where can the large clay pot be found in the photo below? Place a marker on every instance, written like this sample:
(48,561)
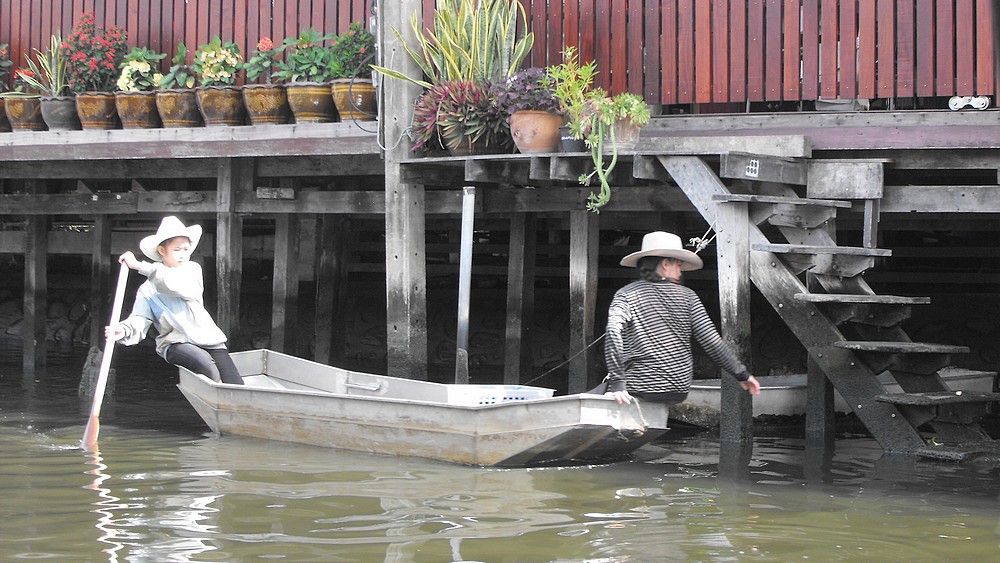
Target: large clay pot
(59,113)
(355,99)
(4,122)
(97,110)
(535,131)
(137,110)
(267,104)
(24,113)
(221,105)
(311,102)
(178,108)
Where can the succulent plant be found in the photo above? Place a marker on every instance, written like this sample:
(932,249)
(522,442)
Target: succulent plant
(451,113)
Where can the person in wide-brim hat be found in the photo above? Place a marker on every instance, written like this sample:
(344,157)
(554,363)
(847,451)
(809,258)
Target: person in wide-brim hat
(171,301)
(652,323)
(664,245)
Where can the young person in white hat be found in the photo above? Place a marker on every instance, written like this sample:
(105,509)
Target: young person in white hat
(171,301)
(651,323)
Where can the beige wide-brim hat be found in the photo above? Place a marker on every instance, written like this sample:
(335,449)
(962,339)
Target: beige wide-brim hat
(664,245)
(170,227)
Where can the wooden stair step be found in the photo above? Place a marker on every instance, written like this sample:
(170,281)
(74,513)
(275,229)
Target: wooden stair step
(806,249)
(934,398)
(901,347)
(979,451)
(852,298)
(780,200)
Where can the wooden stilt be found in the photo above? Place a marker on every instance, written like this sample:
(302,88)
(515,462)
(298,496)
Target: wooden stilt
(235,176)
(100,274)
(285,283)
(732,226)
(35,284)
(583,248)
(520,298)
(330,279)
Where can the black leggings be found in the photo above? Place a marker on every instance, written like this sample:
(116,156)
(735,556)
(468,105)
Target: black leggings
(214,363)
(670,398)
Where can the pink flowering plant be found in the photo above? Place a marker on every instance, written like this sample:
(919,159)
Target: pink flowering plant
(92,55)
(351,53)
(264,61)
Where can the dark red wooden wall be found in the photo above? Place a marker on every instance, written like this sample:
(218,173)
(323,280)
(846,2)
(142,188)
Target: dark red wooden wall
(672,51)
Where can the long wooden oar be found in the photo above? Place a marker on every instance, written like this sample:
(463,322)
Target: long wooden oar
(94,424)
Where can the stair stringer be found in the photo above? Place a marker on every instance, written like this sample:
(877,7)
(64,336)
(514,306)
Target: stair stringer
(855,381)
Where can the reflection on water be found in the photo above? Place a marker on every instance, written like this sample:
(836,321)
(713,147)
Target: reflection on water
(163,489)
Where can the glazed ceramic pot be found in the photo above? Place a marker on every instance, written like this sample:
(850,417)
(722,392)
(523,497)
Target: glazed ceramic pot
(178,108)
(266,104)
(59,113)
(221,105)
(137,110)
(311,102)
(355,99)
(24,113)
(97,110)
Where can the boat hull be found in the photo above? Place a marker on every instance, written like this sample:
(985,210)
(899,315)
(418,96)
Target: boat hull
(295,400)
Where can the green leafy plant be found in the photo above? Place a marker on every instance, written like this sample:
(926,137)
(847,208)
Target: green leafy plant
(217,63)
(181,75)
(459,113)
(306,58)
(139,70)
(92,55)
(264,60)
(571,85)
(5,64)
(472,40)
(351,51)
(47,72)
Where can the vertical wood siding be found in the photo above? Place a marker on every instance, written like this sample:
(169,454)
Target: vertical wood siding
(671,51)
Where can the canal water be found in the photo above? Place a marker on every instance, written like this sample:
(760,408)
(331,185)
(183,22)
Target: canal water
(163,488)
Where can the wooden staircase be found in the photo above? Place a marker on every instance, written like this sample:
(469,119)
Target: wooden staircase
(851,334)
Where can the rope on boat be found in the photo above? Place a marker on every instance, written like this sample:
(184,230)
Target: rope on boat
(568,360)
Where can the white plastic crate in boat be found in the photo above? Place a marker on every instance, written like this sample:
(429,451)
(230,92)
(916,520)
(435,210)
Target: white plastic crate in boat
(473,395)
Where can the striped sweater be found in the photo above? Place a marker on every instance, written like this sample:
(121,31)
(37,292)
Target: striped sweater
(648,345)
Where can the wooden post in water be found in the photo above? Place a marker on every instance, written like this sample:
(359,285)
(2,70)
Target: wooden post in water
(100,274)
(285,283)
(36,253)
(520,298)
(405,249)
(331,272)
(234,175)
(733,247)
(583,248)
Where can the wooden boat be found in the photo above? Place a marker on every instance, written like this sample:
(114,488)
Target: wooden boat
(295,400)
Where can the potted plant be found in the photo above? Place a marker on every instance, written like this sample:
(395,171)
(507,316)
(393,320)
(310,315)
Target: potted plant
(535,115)
(266,101)
(22,108)
(5,64)
(307,70)
(47,74)
(570,85)
(136,95)
(461,116)
(92,57)
(216,64)
(176,101)
(353,91)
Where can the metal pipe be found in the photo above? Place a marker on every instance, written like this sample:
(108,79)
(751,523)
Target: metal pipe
(464,285)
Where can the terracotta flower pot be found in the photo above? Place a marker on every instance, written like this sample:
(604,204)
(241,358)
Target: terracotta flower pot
(24,113)
(178,108)
(355,99)
(59,113)
(311,102)
(97,110)
(137,110)
(221,105)
(535,131)
(267,104)
(4,122)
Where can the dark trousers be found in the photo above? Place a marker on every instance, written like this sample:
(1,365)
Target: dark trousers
(668,398)
(214,363)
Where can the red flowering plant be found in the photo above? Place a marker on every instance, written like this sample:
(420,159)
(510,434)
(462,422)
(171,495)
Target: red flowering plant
(93,55)
(264,60)
(351,53)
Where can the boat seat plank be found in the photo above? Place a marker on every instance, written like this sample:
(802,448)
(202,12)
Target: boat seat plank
(934,398)
(901,347)
(861,299)
(780,200)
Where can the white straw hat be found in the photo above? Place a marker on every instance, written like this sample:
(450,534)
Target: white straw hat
(664,245)
(170,227)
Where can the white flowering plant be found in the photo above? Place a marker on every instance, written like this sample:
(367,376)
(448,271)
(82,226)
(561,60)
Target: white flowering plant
(217,63)
(139,70)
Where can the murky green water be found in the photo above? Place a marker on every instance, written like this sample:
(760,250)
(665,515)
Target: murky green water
(163,489)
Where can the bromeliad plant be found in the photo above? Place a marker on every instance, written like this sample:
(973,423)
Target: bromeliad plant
(139,72)
(92,55)
(217,63)
(459,114)
(472,40)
